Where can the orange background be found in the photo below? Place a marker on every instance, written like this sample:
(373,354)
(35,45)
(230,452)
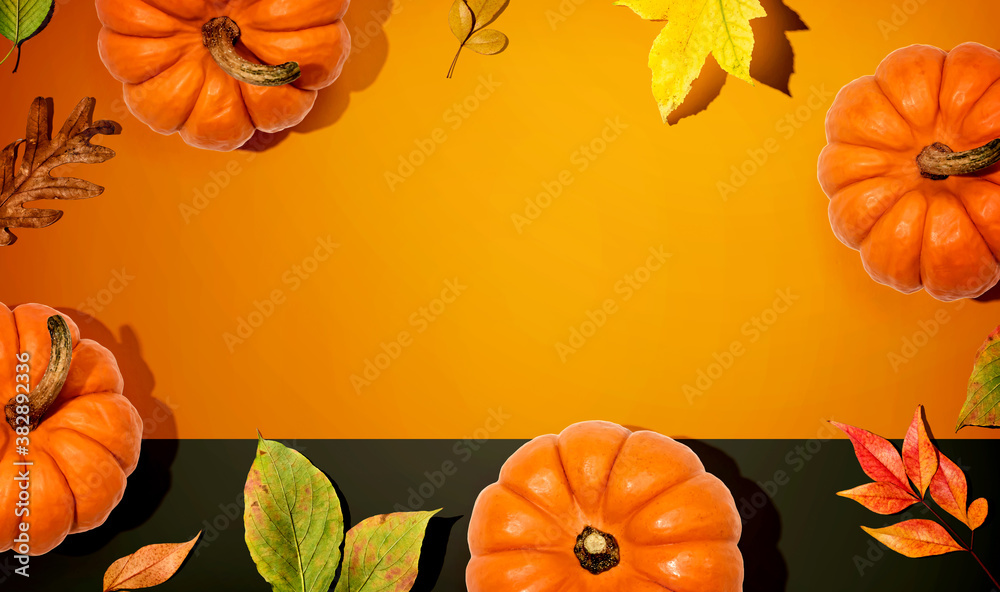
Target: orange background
(494,347)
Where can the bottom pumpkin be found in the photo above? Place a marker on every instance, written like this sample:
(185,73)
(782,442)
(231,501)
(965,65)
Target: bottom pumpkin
(601,508)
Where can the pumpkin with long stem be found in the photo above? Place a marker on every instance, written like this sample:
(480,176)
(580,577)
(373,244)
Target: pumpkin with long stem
(910,170)
(216,71)
(72,440)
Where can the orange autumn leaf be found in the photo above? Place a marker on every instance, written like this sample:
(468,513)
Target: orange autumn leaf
(916,538)
(878,457)
(881,498)
(977,513)
(149,566)
(950,489)
(929,470)
(920,456)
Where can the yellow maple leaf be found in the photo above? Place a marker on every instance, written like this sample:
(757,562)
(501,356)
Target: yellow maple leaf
(694,29)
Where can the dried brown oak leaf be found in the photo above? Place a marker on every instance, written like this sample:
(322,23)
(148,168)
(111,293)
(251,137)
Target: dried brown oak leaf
(33,180)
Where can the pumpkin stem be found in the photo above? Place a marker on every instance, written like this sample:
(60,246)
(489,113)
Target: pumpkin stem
(220,36)
(597,551)
(939,162)
(51,384)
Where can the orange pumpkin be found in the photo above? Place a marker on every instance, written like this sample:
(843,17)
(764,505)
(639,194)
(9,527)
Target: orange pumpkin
(599,508)
(84,435)
(217,70)
(909,170)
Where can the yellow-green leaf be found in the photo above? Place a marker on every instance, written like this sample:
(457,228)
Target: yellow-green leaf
(21,20)
(487,42)
(381,554)
(461,20)
(982,404)
(695,29)
(293,520)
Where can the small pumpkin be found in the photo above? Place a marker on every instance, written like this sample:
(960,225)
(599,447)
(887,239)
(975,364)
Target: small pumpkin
(909,170)
(599,508)
(215,71)
(84,434)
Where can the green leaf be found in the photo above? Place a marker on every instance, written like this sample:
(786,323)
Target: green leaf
(294,525)
(982,404)
(487,11)
(695,29)
(21,20)
(487,42)
(461,20)
(382,553)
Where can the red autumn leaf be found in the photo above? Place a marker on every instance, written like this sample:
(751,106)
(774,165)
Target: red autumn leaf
(920,456)
(928,469)
(977,513)
(949,488)
(878,457)
(881,498)
(149,566)
(916,538)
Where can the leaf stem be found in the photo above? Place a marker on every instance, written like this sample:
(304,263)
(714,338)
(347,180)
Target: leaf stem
(983,565)
(454,62)
(961,542)
(10,51)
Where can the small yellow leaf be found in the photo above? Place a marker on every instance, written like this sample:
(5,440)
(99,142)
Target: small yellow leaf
(487,42)
(651,10)
(461,20)
(977,513)
(468,20)
(695,29)
(487,11)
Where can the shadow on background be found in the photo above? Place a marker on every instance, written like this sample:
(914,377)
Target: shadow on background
(157,416)
(148,485)
(369,50)
(432,553)
(990,295)
(345,511)
(773,60)
(766,570)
